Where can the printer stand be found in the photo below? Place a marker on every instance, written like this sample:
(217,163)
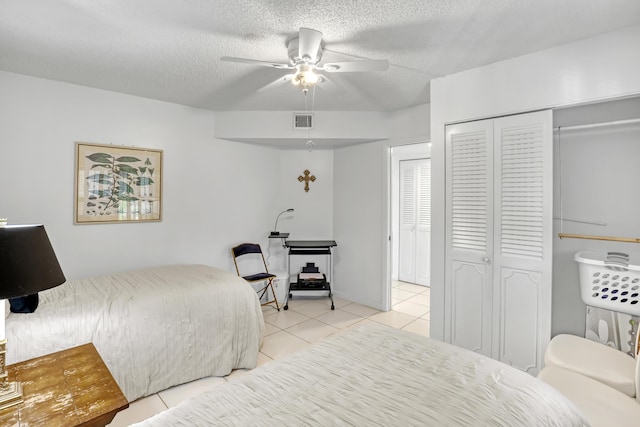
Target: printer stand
(310,247)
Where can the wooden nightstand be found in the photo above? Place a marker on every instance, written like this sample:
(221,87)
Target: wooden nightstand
(68,388)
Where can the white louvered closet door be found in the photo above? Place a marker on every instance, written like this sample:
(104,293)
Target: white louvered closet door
(499,237)
(407,229)
(524,238)
(415,221)
(423,224)
(468,294)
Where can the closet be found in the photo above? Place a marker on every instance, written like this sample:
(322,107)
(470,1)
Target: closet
(415,221)
(499,237)
(597,147)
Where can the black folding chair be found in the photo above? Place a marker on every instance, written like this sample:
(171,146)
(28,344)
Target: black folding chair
(249,252)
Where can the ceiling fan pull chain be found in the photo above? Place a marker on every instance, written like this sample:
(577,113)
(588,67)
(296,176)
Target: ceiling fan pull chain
(310,144)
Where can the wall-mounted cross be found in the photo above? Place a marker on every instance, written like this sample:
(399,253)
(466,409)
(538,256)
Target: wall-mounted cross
(306,178)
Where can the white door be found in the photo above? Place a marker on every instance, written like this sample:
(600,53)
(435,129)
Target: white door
(469,237)
(423,224)
(523,189)
(407,229)
(415,221)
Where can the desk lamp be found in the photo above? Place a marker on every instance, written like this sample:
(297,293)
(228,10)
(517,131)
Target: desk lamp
(28,265)
(275,231)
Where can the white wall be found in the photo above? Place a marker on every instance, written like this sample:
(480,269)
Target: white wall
(214,195)
(313,216)
(360,222)
(585,71)
(410,125)
(405,126)
(276,127)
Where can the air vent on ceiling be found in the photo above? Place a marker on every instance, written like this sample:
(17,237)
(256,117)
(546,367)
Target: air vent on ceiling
(302,120)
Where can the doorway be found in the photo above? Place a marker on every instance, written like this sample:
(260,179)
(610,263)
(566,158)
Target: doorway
(410,214)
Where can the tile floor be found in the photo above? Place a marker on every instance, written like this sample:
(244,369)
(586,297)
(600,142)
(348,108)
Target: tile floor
(308,320)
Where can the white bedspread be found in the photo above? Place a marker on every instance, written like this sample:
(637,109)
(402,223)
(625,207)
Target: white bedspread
(378,376)
(154,328)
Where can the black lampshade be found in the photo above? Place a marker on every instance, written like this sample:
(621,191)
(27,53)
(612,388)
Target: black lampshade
(28,263)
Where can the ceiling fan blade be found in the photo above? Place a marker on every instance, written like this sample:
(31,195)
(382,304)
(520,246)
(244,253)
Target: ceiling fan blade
(277,83)
(308,44)
(257,62)
(355,66)
(325,83)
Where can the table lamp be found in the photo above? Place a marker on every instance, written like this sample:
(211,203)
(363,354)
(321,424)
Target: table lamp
(275,231)
(28,265)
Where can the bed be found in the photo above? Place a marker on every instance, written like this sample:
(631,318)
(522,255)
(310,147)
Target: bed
(375,375)
(154,328)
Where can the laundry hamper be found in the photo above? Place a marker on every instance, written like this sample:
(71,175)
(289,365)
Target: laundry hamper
(610,280)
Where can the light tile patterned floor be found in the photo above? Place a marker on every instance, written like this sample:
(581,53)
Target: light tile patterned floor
(308,320)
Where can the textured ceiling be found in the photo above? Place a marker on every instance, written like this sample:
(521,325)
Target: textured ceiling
(170,50)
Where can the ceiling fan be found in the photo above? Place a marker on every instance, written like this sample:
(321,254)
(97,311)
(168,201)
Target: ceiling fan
(305,53)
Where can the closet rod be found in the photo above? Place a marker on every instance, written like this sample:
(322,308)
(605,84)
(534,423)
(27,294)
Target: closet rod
(582,221)
(597,125)
(589,237)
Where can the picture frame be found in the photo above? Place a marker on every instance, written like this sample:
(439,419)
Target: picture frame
(117,184)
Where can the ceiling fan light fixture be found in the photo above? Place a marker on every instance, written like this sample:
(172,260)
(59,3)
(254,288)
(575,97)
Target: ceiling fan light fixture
(305,76)
(310,77)
(305,79)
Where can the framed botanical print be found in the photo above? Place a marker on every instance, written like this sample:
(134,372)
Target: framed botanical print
(117,184)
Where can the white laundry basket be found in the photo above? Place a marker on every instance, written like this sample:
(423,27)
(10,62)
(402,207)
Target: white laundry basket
(610,280)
